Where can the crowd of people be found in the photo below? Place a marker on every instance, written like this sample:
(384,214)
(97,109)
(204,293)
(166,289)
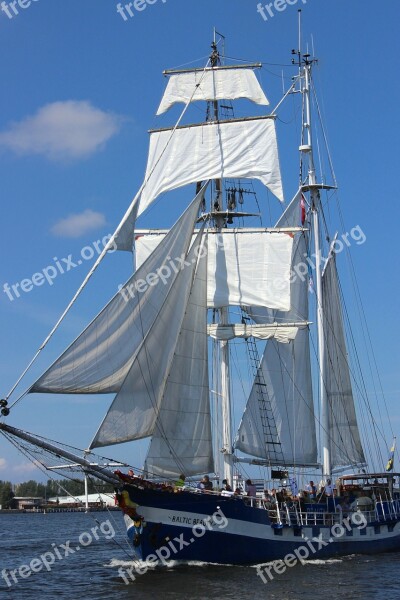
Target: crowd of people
(310,494)
(272,498)
(207,486)
(287,502)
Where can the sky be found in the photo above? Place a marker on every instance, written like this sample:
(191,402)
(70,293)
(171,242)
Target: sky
(80,85)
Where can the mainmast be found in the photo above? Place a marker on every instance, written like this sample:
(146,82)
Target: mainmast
(306,64)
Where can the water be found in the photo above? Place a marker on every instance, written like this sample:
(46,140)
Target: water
(91,573)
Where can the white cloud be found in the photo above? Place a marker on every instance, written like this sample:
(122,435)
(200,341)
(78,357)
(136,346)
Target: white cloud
(3,464)
(76,225)
(62,131)
(26,467)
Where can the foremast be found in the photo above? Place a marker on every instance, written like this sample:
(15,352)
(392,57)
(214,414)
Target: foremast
(257,133)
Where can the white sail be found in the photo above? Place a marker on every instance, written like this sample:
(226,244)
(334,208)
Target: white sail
(344,438)
(212,84)
(244,268)
(283,383)
(134,411)
(280,333)
(99,360)
(182,442)
(240,148)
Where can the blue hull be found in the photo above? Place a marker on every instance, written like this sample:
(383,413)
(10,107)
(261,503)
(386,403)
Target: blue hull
(221,548)
(209,528)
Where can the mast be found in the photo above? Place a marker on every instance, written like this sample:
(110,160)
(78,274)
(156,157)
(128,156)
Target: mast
(314,187)
(226,405)
(86,493)
(224,370)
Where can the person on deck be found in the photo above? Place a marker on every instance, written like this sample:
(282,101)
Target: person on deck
(270,499)
(251,488)
(181,481)
(311,490)
(205,484)
(329,488)
(225,486)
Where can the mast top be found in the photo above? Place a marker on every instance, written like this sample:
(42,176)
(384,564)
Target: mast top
(302,59)
(214,56)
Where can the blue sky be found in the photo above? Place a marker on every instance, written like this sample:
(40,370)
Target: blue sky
(64,187)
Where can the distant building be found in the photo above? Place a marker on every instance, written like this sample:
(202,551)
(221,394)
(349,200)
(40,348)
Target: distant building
(27,503)
(94,500)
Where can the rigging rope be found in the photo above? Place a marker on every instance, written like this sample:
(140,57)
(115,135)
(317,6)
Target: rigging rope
(363,320)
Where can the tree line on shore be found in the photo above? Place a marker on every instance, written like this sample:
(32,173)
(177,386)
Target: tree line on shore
(53,488)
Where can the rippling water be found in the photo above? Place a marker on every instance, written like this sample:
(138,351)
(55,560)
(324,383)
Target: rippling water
(91,573)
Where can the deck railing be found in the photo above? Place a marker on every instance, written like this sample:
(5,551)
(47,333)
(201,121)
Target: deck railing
(286,514)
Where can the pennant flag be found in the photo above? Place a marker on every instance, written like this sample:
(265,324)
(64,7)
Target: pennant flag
(390,465)
(303,209)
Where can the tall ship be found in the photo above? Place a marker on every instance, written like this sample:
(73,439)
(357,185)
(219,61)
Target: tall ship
(208,287)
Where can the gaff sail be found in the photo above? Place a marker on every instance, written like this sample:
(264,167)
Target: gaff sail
(344,437)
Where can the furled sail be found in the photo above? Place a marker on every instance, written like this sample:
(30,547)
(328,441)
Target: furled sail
(283,334)
(216,83)
(182,442)
(134,411)
(244,148)
(283,382)
(344,438)
(99,360)
(250,268)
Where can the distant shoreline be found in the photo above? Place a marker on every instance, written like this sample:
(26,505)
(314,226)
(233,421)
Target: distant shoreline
(41,511)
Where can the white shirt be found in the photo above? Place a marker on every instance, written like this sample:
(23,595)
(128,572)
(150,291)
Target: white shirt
(329,489)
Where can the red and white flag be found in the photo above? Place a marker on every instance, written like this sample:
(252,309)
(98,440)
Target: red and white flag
(303,209)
